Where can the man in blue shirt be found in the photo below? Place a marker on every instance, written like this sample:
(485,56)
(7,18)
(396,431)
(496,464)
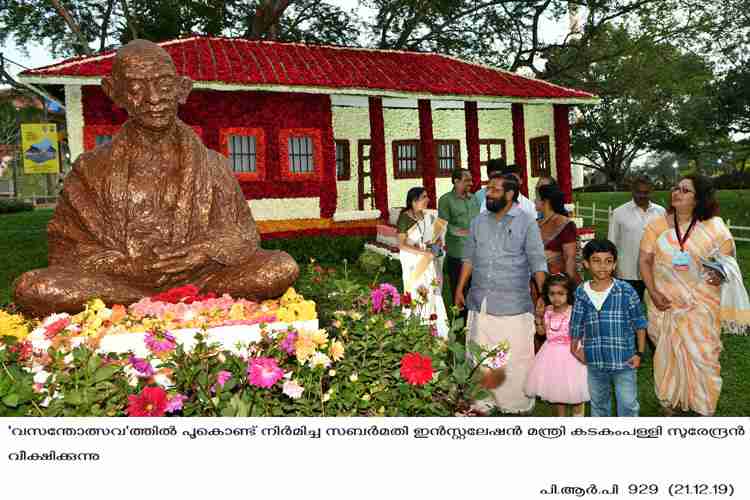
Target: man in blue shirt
(607,317)
(503,249)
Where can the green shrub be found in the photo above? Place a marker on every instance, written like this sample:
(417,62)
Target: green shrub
(13,206)
(327,250)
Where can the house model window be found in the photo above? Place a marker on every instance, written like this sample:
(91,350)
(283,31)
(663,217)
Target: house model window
(448,154)
(540,160)
(406,160)
(343,161)
(242,153)
(301,155)
(491,149)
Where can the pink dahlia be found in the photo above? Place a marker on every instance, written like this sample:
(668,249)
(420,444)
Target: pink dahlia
(264,372)
(380,295)
(222,377)
(160,342)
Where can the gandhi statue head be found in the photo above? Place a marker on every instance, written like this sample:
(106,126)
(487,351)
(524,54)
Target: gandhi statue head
(144,82)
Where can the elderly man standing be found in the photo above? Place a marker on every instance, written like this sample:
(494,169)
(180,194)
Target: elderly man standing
(503,249)
(626,230)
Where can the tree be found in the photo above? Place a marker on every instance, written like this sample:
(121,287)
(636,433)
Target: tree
(79,27)
(511,33)
(642,95)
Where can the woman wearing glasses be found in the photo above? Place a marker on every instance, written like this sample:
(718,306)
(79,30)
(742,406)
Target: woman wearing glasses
(684,298)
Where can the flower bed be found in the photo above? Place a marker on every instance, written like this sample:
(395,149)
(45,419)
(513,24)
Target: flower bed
(371,360)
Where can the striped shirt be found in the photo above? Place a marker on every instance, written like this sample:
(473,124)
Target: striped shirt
(608,334)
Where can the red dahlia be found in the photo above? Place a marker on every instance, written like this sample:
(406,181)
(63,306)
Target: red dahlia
(151,402)
(416,369)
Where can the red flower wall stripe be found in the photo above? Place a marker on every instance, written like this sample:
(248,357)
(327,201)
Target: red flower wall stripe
(471,115)
(429,163)
(379,177)
(562,150)
(519,144)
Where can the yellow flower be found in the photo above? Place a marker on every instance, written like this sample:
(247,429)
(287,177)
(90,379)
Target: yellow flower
(290,297)
(320,337)
(237,312)
(95,305)
(366,397)
(13,325)
(304,346)
(336,350)
(353,377)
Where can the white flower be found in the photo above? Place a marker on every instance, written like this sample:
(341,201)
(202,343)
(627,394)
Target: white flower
(332,373)
(163,380)
(41,376)
(292,389)
(326,396)
(353,377)
(68,359)
(105,313)
(320,359)
(77,341)
(366,397)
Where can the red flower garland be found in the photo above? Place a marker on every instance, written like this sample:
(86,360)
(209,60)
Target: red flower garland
(562,150)
(377,156)
(429,165)
(416,369)
(471,116)
(519,144)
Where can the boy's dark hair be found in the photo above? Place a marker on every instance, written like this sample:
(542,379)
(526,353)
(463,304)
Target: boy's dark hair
(599,246)
(512,169)
(495,165)
(559,279)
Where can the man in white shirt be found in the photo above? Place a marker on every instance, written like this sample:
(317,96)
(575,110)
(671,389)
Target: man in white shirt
(526,205)
(626,230)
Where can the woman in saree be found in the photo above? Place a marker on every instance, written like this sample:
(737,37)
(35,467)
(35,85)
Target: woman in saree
(560,239)
(684,297)
(420,245)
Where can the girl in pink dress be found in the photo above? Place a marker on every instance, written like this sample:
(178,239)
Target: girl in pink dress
(557,376)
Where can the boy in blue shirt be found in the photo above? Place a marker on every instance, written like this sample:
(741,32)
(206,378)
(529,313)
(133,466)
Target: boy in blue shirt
(607,317)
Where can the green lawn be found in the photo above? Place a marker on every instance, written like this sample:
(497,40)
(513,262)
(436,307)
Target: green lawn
(23,246)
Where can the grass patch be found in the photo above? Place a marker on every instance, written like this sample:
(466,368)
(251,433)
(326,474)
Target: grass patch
(23,246)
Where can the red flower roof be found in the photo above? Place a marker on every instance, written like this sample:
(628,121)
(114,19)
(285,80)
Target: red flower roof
(260,63)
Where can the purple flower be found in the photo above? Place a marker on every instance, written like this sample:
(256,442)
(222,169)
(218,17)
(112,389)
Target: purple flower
(142,366)
(160,342)
(287,345)
(175,403)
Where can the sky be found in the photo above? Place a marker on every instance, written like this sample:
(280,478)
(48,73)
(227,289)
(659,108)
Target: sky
(38,55)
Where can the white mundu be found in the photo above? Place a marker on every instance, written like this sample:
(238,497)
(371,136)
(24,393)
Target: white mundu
(626,230)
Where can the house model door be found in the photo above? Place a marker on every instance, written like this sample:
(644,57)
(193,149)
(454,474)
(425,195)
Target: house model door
(366,199)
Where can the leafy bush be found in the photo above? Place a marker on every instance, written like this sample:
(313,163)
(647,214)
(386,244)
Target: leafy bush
(13,206)
(371,360)
(323,248)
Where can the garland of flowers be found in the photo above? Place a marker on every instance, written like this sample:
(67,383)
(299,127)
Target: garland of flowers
(471,117)
(378,175)
(562,150)
(429,164)
(519,144)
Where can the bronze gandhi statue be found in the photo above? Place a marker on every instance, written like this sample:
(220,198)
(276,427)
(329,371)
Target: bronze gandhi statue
(153,209)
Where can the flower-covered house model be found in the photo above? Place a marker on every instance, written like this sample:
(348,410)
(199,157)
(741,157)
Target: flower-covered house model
(328,139)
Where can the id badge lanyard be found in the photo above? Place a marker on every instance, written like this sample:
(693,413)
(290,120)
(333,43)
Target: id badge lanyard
(681,260)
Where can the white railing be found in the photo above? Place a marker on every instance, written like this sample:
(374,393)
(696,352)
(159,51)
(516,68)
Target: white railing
(595,214)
